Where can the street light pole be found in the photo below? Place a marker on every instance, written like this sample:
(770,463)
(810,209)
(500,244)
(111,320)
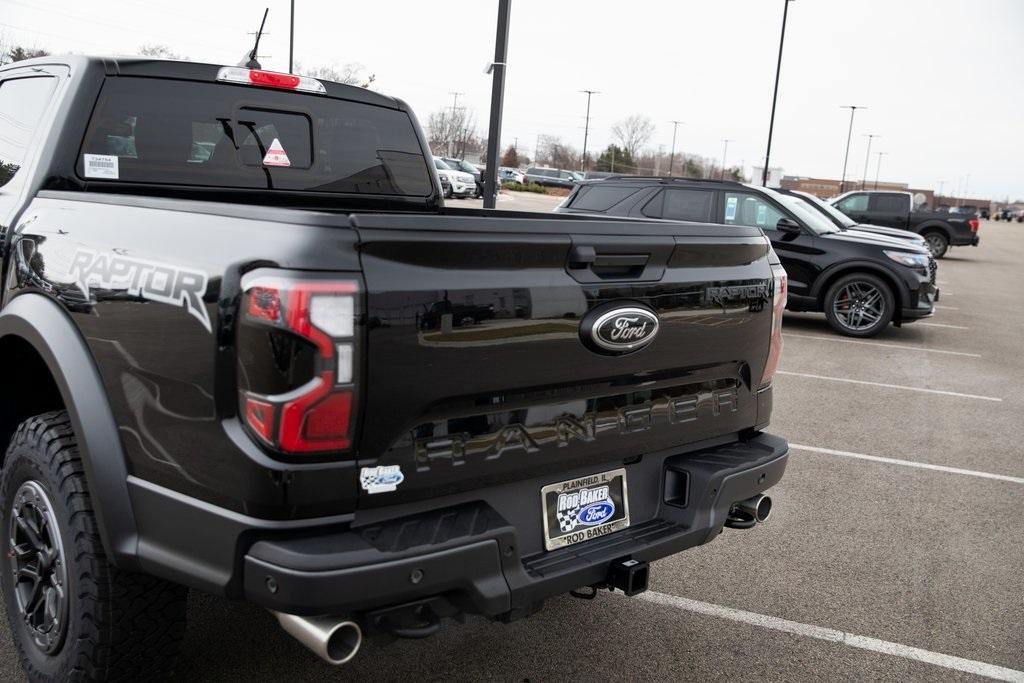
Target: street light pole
(853,110)
(672,156)
(867,160)
(775,95)
(725,150)
(586,129)
(291,38)
(497,103)
(878,168)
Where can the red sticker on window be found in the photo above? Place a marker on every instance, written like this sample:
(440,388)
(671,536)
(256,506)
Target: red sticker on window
(276,155)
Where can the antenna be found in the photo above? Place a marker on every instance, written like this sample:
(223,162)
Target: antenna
(252,63)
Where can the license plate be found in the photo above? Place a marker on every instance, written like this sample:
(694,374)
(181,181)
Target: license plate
(582,509)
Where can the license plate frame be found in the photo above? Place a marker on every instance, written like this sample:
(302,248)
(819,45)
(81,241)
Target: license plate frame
(577,510)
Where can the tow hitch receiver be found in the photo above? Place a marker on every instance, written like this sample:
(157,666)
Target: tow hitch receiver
(629,576)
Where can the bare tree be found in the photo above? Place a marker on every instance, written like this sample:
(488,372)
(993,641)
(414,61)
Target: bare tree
(452,131)
(352,73)
(633,132)
(160,51)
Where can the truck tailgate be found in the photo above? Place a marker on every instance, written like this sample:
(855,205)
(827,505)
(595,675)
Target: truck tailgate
(477,371)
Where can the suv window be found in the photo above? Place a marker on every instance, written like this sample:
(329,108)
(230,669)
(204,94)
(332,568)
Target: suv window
(687,205)
(741,208)
(23,102)
(889,203)
(165,131)
(855,202)
(601,198)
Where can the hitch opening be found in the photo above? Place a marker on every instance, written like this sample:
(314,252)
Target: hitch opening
(629,576)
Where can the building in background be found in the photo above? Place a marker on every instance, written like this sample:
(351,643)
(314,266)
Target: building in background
(775,175)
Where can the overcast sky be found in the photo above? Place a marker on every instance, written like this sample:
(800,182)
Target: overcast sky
(942,79)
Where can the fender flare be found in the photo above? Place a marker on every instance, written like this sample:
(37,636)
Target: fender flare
(50,331)
(900,291)
(935,226)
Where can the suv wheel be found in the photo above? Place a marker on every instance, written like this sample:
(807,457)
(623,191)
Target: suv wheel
(72,615)
(937,243)
(859,305)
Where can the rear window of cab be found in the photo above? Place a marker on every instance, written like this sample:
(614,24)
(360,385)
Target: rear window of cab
(160,131)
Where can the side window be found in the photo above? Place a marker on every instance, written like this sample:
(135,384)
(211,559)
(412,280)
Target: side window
(746,209)
(688,205)
(23,102)
(601,197)
(889,203)
(565,175)
(855,202)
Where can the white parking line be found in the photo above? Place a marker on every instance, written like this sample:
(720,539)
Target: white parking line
(999,673)
(952,327)
(888,386)
(882,344)
(947,308)
(909,463)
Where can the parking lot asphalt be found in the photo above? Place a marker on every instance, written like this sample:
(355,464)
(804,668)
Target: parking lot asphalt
(873,569)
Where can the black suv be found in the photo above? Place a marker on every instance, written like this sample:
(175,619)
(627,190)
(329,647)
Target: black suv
(860,280)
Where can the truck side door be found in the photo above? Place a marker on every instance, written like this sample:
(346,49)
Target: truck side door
(856,206)
(890,209)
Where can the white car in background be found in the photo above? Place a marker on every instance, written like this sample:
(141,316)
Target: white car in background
(512,175)
(454,183)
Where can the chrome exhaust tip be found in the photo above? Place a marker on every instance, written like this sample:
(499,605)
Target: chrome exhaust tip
(747,513)
(334,640)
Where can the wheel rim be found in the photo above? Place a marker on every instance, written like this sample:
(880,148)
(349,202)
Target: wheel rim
(859,306)
(935,243)
(36,554)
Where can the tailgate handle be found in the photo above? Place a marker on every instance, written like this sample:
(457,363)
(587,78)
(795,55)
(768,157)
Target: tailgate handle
(587,257)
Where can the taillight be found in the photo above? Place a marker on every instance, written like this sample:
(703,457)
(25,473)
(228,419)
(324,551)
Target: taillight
(975,224)
(297,354)
(269,79)
(779,290)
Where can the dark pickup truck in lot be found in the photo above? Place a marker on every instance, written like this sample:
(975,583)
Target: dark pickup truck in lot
(941,230)
(217,375)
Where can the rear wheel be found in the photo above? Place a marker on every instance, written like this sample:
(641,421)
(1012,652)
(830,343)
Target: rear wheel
(72,615)
(859,305)
(937,243)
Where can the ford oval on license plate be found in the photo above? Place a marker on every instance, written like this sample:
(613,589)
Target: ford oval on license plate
(581,509)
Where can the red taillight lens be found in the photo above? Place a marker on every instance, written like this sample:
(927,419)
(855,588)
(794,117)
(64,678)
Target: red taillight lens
(273,80)
(975,224)
(317,416)
(259,415)
(318,420)
(779,291)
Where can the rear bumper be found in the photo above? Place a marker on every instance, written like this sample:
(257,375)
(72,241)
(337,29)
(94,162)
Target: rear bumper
(466,552)
(964,239)
(469,553)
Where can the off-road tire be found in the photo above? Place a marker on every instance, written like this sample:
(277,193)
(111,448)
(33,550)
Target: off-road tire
(888,302)
(120,625)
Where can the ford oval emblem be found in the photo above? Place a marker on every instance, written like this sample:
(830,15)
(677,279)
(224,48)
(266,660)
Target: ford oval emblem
(621,329)
(596,513)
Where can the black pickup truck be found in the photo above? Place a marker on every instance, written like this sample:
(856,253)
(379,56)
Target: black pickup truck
(217,376)
(941,230)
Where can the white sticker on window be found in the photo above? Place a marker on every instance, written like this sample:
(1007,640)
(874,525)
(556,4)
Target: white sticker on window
(276,155)
(730,208)
(762,214)
(101,166)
